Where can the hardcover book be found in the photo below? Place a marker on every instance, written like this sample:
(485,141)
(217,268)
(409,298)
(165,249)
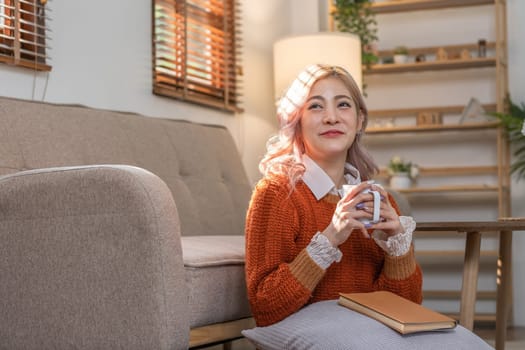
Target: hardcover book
(396,312)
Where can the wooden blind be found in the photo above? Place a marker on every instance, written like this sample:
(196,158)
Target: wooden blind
(196,51)
(23,33)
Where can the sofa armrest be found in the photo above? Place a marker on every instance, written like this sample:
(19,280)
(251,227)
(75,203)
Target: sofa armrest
(90,258)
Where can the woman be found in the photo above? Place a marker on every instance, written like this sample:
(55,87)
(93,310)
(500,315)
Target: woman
(305,239)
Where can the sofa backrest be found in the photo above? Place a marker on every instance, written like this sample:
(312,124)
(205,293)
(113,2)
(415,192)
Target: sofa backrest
(199,163)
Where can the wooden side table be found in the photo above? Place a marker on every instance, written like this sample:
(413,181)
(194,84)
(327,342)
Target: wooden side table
(473,230)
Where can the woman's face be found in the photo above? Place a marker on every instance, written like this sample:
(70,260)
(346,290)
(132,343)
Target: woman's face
(329,121)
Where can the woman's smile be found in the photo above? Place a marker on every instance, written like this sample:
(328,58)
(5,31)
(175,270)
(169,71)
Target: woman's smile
(332,133)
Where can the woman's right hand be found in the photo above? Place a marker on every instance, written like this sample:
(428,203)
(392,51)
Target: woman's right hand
(352,207)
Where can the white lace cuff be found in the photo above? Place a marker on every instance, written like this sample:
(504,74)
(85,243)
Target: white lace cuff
(322,252)
(399,244)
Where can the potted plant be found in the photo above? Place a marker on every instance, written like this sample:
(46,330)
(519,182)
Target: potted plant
(357,17)
(401,173)
(400,54)
(514,123)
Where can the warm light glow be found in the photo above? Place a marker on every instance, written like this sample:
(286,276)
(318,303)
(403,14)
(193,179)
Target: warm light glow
(293,54)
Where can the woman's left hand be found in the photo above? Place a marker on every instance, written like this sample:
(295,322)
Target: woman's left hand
(389,220)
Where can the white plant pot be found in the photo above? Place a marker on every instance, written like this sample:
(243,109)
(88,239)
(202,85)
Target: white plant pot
(400,181)
(399,59)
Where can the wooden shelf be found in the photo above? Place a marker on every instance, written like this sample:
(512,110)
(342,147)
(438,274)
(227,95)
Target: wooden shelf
(391,113)
(417,5)
(450,171)
(448,234)
(478,317)
(457,188)
(433,128)
(453,253)
(456,294)
(430,50)
(451,64)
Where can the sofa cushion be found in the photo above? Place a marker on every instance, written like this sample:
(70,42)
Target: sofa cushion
(327,325)
(199,163)
(214,267)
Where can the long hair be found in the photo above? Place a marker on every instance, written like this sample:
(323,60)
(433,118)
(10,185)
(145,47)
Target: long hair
(284,151)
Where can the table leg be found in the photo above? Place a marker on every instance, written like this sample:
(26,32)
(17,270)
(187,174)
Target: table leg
(470,280)
(504,278)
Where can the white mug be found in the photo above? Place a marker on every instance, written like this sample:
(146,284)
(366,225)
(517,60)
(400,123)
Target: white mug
(377,204)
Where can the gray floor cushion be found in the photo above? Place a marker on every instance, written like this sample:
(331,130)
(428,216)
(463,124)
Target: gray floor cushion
(327,325)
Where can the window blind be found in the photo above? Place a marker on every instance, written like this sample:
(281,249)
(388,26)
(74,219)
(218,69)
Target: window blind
(196,51)
(24,34)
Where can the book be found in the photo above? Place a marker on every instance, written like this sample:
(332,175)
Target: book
(396,312)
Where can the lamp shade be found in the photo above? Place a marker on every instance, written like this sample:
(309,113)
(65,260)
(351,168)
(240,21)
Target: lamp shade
(292,54)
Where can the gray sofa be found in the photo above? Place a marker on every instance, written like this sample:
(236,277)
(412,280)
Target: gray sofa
(118,231)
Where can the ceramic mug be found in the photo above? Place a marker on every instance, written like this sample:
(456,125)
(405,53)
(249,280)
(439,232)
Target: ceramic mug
(377,203)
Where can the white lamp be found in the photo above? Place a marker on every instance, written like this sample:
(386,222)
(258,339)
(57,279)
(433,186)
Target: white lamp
(292,54)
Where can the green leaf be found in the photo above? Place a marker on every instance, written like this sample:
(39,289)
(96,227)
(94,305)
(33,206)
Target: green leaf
(512,121)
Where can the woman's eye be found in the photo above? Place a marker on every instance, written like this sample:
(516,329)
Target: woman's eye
(345,104)
(315,106)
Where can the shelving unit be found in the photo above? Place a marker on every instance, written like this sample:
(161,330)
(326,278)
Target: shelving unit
(499,189)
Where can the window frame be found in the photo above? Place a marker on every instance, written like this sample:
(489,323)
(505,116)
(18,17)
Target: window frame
(23,34)
(196,52)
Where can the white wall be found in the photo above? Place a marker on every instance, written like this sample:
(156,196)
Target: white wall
(113,71)
(264,22)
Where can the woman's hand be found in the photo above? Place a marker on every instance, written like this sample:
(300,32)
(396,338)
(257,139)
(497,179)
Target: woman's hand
(353,206)
(389,220)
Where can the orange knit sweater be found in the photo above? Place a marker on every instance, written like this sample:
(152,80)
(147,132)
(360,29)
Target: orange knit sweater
(282,278)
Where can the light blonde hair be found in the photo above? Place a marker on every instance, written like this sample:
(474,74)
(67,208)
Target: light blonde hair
(284,151)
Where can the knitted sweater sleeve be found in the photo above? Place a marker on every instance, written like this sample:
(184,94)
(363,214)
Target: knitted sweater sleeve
(402,274)
(280,276)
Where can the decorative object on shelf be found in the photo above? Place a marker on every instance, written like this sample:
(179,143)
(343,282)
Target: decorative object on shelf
(421,57)
(400,181)
(473,112)
(482,48)
(514,123)
(387,60)
(441,54)
(400,54)
(429,118)
(401,173)
(465,54)
(357,17)
(390,123)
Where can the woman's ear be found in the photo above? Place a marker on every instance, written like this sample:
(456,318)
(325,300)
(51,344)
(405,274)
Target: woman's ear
(360,121)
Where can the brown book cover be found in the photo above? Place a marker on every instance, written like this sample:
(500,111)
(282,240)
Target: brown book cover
(398,313)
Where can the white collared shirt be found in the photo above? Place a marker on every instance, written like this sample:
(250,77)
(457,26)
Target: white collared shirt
(320,183)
